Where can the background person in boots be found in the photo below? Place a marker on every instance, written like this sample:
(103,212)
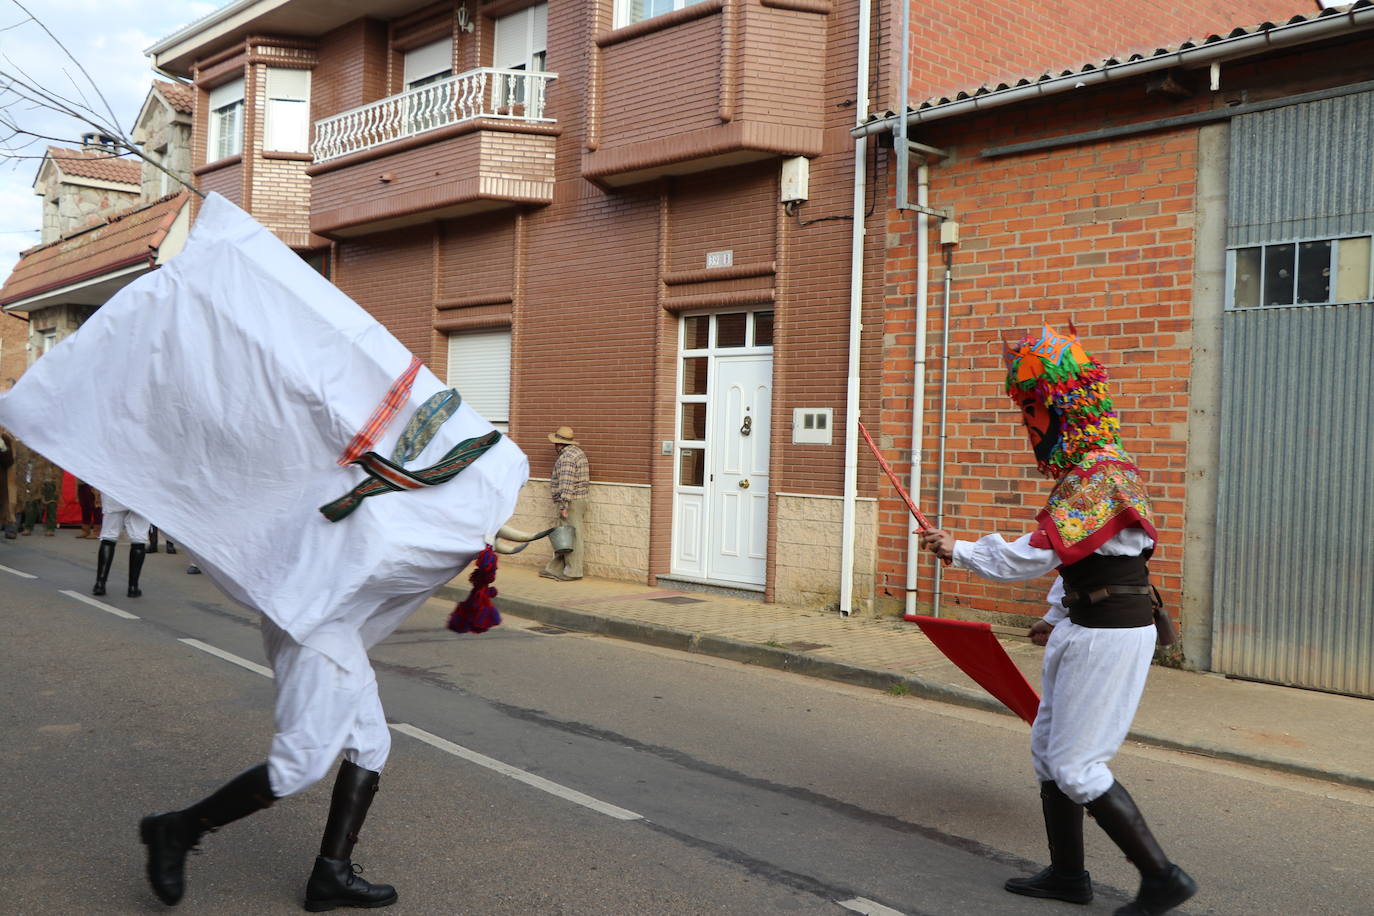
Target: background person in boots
(117,518)
(85,496)
(1096,529)
(7,523)
(568,485)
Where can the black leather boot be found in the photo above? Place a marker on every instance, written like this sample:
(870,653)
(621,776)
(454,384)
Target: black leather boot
(104,559)
(169,837)
(334,881)
(171,548)
(136,553)
(1163,885)
(152,539)
(1065,879)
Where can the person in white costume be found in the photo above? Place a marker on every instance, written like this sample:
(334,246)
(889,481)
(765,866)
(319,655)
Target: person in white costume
(1099,633)
(119,517)
(250,390)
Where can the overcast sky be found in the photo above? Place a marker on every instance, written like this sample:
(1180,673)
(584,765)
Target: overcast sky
(108,38)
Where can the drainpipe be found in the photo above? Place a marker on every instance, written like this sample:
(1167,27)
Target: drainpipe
(948,249)
(856,283)
(918,378)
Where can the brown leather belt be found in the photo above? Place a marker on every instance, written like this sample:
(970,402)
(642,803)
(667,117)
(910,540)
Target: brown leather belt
(1099,594)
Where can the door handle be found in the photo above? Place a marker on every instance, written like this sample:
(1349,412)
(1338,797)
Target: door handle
(744,484)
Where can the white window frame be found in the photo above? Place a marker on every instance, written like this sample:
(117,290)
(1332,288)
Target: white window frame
(287,121)
(479,367)
(1334,268)
(628,12)
(520,42)
(224,137)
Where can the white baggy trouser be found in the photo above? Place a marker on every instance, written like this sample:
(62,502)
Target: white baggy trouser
(117,517)
(323,708)
(1091,684)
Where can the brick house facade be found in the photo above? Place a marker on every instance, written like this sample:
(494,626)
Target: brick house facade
(621,227)
(1124,206)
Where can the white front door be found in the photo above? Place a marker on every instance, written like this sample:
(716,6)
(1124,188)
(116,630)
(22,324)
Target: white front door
(737,477)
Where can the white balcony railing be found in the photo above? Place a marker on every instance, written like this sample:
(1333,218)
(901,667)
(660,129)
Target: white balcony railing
(514,95)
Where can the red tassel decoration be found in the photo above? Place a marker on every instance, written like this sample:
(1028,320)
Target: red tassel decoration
(476,613)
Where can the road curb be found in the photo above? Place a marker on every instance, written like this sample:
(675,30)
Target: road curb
(789,660)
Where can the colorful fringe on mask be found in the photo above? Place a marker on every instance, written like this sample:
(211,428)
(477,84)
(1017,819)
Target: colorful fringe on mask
(1068,381)
(476,613)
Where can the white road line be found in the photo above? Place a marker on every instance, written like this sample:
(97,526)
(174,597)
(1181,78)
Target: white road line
(15,572)
(100,604)
(228,657)
(868,907)
(517,774)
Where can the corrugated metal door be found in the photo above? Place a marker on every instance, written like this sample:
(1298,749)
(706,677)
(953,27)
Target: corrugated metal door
(1294,584)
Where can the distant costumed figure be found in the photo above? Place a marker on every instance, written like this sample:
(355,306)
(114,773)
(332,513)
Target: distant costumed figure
(1099,633)
(267,465)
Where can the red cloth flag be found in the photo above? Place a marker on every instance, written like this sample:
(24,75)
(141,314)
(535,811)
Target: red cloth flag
(971,645)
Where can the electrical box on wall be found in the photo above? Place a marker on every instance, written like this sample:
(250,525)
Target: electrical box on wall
(796,179)
(812,425)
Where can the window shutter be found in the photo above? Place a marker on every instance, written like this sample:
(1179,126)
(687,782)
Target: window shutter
(227,94)
(479,367)
(427,60)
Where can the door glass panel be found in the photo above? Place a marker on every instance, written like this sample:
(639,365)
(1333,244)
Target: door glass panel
(763,329)
(1314,272)
(694,375)
(1278,274)
(696,332)
(730,329)
(692,467)
(1246,293)
(694,422)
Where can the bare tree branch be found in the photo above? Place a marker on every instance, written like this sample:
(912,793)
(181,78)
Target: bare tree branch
(72,57)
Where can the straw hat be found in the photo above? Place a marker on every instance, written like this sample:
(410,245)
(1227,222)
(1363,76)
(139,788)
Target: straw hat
(564,436)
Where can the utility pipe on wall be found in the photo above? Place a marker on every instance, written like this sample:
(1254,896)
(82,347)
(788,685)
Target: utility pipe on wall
(944,414)
(856,288)
(918,378)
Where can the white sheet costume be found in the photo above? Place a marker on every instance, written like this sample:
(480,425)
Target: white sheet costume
(230,381)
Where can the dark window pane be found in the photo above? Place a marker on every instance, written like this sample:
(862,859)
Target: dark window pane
(694,421)
(696,332)
(763,329)
(1314,272)
(730,329)
(692,467)
(1278,274)
(694,375)
(1246,291)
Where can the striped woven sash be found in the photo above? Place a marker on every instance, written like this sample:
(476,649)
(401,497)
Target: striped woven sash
(385,476)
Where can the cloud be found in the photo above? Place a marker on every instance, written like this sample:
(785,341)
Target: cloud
(107,38)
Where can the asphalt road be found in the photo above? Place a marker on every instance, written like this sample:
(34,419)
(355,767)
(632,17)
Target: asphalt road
(538,772)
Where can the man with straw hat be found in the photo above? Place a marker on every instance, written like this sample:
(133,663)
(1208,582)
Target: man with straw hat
(568,486)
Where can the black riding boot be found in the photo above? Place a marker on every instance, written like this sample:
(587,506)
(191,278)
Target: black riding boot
(1163,885)
(1065,879)
(136,552)
(169,837)
(171,548)
(104,559)
(333,881)
(152,539)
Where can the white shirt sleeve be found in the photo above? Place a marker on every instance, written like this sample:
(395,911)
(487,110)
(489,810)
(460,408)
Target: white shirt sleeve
(992,557)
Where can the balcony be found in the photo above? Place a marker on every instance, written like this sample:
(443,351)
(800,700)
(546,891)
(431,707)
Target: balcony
(476,141)
(745,82)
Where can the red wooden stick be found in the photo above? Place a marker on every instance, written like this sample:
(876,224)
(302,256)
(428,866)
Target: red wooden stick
(921,520)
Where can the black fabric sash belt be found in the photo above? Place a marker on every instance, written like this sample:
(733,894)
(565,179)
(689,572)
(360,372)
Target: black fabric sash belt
(1112,606)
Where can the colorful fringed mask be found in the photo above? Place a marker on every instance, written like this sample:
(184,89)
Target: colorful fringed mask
(1062,394)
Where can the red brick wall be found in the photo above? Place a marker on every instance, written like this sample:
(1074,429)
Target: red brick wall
(391,274)
(959,46)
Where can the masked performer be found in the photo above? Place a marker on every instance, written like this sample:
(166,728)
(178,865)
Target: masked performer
(267,465)
(1099,633)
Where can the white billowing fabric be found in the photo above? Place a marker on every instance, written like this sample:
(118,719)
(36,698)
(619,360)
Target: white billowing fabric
(116,517)
(322,708)
(1092,677)
(216,394)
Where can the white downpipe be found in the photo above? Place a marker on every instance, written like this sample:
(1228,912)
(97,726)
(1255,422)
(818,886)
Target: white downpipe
(918,379)
(856,290)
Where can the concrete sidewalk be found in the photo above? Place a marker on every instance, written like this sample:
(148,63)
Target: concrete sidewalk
(1319,735)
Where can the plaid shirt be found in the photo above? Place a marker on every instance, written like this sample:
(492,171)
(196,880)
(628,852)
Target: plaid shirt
(571,474)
